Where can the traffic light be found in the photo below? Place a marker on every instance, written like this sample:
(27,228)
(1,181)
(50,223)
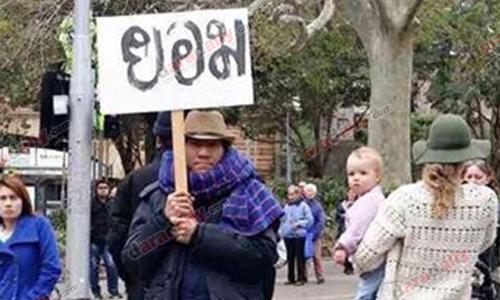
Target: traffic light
(53,128)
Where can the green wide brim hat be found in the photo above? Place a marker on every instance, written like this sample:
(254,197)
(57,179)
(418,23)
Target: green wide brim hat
(449,142)
(478,149)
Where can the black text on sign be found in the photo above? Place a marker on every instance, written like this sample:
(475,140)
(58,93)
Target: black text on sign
(211,50)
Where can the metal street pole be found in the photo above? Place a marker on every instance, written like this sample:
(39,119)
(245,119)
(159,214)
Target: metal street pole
(79,180)
(288,151)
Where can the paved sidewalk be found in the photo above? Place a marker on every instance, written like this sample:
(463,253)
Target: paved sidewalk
(337,286)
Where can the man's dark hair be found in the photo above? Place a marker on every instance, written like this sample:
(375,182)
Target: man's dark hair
(102,181)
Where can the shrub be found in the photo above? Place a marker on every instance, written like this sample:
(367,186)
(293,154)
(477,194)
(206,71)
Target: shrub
(58,220)
(279,188)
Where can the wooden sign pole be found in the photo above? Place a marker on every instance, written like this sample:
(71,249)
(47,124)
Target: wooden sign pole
(179,146)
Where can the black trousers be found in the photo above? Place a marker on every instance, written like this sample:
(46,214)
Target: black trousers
(295,257)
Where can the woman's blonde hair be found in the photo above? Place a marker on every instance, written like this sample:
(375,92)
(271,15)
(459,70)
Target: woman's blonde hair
(443,180)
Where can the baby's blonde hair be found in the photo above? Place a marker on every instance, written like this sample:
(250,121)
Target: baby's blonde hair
(372,154)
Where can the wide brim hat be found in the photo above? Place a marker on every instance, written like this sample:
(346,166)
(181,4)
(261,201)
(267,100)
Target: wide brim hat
(207,125)
(449,142)
(483,146)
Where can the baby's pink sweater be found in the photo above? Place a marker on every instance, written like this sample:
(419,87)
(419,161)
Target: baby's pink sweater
(358,218)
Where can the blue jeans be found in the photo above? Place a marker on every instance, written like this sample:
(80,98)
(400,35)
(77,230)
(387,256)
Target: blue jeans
(98,250)
(369,284)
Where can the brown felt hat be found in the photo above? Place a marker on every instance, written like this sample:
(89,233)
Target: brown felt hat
(207,125)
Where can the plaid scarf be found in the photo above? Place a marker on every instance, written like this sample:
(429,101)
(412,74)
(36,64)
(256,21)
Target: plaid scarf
(248,207)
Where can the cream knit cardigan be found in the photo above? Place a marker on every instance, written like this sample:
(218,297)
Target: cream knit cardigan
(428,258)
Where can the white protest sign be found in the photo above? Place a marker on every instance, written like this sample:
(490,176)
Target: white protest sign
(174,61)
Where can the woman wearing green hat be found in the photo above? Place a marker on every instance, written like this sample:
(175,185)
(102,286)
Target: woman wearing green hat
(430,233)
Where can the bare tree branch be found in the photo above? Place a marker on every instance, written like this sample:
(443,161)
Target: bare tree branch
(363,14)
(267,140)
(6,3)
(486,118)
(288,14)
(386,23)
(323,18)
(151,8)
(41,29)
(319,4)
(390,15)
(411,15)
(252,8)
(301,142)
(397,15)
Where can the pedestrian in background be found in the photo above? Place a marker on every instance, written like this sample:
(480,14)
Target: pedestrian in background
(294,225)
(478,171)
(29,261)
(316,229)
(131,192)
(100,224)
(340,214)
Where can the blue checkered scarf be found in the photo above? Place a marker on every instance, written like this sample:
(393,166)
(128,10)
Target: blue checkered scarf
(248,207)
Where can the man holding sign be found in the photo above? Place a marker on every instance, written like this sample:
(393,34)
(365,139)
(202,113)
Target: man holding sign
(218,241)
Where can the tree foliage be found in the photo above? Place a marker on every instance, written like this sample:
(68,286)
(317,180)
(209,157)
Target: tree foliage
(28,31)
(311,85)
(31,30)
(459,54)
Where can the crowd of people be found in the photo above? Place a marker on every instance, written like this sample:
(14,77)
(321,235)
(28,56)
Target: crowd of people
(425,239)
(219,240)
(301,229)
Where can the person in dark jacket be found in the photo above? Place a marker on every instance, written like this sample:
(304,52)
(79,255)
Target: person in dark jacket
(217,241)
(100,223)
(310,192)
(127,200)
(340,211)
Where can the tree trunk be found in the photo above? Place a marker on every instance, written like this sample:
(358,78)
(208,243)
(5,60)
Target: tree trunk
(495,141)
(317,164)
(391,60)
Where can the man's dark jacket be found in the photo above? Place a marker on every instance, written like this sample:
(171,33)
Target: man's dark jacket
(122,211)
(100,220)
(237,267)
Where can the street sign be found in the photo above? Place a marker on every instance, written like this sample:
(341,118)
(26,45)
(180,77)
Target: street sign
(174,61)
